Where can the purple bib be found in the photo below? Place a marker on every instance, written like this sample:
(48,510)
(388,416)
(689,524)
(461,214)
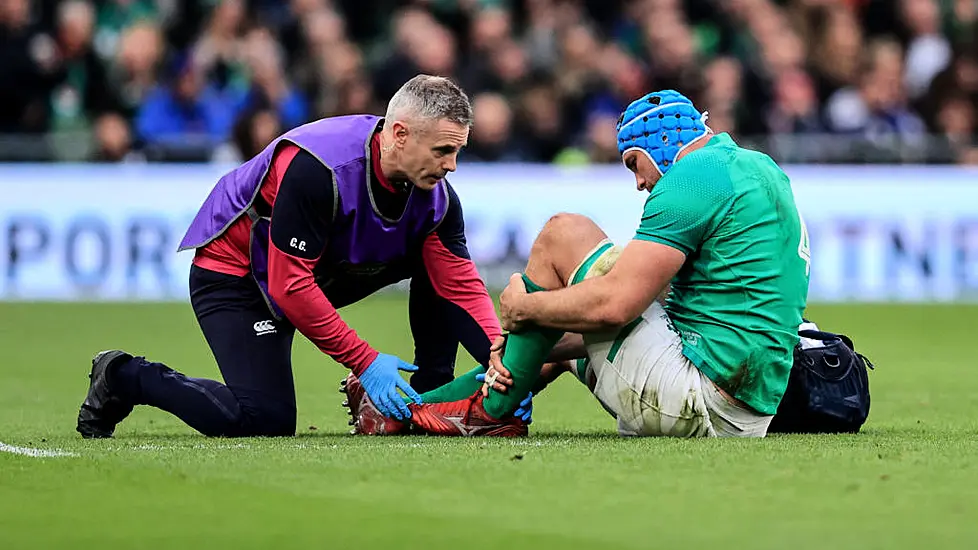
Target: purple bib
(364,250)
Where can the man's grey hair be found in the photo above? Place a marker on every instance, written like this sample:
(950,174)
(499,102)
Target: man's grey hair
(429,98)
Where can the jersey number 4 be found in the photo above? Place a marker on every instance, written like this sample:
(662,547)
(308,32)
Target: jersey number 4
(804,246)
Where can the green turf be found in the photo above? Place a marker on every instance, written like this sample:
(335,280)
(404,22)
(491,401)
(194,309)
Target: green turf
(909,480)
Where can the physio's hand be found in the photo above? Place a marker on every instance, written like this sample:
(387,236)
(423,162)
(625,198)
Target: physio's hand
(525,412)
(511,304)
(381,381)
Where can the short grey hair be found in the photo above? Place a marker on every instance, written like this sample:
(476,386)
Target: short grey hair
(430,98)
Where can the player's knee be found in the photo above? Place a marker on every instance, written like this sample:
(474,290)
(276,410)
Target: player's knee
(563,222)
(565,233)
(564,227)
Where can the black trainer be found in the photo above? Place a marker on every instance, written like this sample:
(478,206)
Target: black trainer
(102,409)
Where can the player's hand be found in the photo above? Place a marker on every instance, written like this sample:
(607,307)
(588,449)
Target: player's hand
(381,381)
(511,313)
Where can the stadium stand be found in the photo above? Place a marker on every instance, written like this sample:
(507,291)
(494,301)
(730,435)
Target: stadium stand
(829,81)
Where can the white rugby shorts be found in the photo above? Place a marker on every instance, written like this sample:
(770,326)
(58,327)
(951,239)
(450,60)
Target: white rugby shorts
(641,377)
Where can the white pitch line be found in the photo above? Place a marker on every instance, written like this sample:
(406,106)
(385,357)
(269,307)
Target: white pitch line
(34,453)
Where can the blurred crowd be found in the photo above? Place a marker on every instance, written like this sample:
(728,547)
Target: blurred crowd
(218,79)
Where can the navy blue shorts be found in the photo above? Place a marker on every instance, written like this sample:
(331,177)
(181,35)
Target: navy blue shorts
(253,351)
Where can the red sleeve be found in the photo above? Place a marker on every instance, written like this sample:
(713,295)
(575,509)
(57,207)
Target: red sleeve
(291,284)
(457,280)
(454,275)
(301,214)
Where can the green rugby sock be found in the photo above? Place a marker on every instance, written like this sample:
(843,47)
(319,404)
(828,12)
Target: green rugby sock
(461,388)
(526,351)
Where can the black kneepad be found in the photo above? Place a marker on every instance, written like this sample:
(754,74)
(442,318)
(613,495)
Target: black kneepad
(828,389)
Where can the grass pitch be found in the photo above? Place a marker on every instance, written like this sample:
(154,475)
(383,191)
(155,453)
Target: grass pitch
(908,481)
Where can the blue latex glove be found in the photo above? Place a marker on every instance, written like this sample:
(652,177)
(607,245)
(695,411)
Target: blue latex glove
(525,411)
(381,381)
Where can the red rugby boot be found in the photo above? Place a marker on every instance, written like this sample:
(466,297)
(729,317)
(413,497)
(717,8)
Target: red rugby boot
(466,418)
(366,419)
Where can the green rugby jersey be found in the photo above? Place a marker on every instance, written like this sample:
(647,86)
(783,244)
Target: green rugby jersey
(739,297)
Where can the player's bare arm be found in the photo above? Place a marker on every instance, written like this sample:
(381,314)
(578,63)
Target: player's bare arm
(642,272)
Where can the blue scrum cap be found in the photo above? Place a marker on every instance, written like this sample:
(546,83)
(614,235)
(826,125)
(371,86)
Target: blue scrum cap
(660,125)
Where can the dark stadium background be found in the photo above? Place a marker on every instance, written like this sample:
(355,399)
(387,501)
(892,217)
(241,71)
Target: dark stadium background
(84,80)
